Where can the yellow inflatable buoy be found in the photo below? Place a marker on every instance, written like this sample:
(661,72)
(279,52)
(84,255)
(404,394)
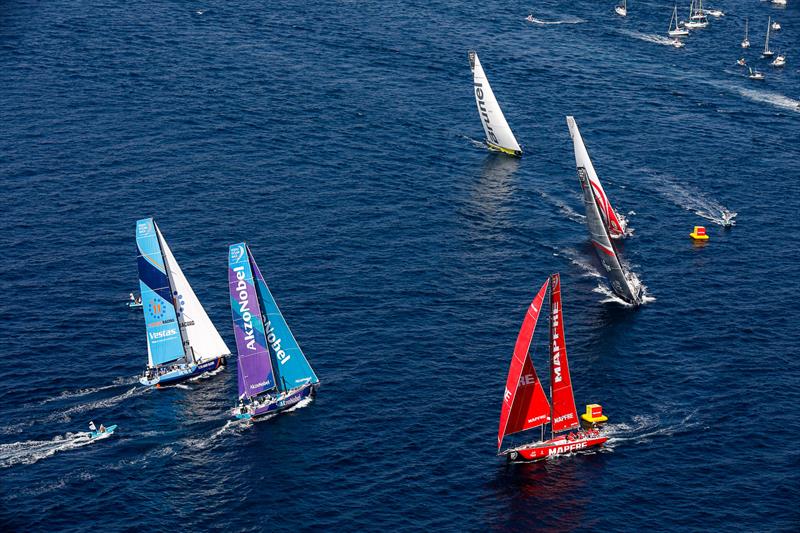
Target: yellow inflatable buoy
(699,233)
(593,416)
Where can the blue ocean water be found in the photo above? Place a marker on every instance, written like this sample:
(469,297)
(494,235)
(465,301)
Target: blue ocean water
(338,139)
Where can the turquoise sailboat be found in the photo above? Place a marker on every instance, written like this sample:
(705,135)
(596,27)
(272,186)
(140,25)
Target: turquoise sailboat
(182,342)
(274,374)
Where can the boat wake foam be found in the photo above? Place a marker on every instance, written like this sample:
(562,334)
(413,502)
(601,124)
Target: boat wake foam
(648,37)
(644,428)
(66,414)
(689,198)
(564,208)
(567,20)
(584,265)
(758,95)
(230,426)
(67,395)
(31,451)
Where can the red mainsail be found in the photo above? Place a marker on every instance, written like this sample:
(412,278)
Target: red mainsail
(565,416)
(525,405)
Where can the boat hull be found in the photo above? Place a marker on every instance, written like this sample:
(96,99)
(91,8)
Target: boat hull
(280,404)
(182,373)
(508,151)
(553,447)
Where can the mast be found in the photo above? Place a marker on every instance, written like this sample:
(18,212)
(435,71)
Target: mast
(187,351)
(766,42)
(550,359)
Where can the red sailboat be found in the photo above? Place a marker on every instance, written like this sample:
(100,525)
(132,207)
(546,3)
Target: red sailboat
(525,404)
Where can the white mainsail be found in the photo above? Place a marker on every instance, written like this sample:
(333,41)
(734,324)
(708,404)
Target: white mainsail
(203,339)
(498,133)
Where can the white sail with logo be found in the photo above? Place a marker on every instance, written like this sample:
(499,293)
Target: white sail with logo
(203,339)
(498,133)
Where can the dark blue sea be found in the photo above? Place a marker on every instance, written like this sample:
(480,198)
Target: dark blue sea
(341,141)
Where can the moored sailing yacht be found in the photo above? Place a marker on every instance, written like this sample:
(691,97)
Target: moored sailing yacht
(274,374)
(746,40)
(697,18)
(767,53)
(603,223)
(499,136)
(525,404)
(622,10)
(182,342)
(678,30)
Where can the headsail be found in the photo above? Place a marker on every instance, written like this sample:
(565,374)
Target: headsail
(615,223)
(626,288)
(255,365)
(203,339)
(498,133)
(525,405)
(565,416)
(164,341)
(292,369)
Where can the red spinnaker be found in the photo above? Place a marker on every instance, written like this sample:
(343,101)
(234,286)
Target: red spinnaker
(525,405)
(565,416)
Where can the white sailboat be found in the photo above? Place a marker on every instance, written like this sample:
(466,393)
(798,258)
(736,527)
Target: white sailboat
(767,53)
(622,10)
(755,74)
(779,2)
(678,30)
(746,40)
(499,136)
(697,18)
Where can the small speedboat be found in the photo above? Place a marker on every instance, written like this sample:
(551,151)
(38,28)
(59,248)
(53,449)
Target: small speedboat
(622,10)
(727,219)
(530,18)
(103,432)
(741,62)
(776,26)
(714,13)
(779,61)
(677,43)
(755,75)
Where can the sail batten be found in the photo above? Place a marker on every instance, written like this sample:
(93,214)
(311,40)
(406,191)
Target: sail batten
(255,369)
(525,404)
(498,133)
(564,414)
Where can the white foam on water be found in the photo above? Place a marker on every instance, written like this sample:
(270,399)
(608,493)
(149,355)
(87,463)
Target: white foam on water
(31,451)
(230,426)
(563,207)
(66,414)
(644,428)
(584,265)
(206,375)
(761,96)
(567,20)
(689,198)
(476,143)
(65,395)
(648,37)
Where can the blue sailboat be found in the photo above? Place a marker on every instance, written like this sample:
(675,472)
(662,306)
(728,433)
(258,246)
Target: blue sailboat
(182,342)
(274,374)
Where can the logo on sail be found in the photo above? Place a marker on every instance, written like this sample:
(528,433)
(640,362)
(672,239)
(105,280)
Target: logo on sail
(143,227)
(244,307)
(484,114)
(237,252)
